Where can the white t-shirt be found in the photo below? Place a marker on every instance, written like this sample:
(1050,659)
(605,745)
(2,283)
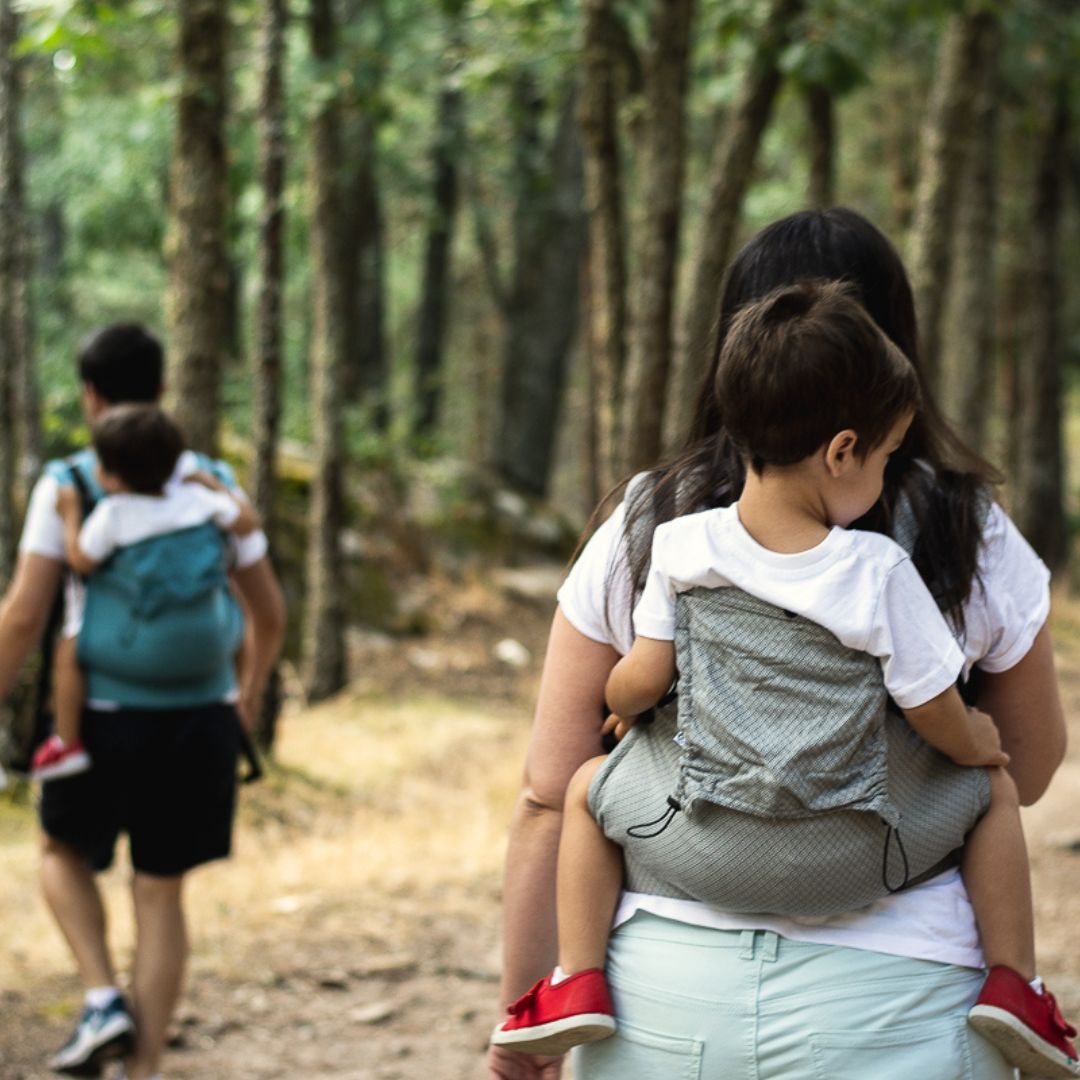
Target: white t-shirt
(861,586)
(43,529)
(1008,605)
(126,518)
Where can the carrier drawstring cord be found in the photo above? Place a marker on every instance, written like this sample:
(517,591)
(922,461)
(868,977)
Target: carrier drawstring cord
(639,832)
(890,832)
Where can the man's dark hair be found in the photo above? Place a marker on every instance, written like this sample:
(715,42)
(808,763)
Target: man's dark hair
(138,443)
(122,362)
(804,363)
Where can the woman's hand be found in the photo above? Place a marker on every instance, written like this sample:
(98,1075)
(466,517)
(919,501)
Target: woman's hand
(620,725)
(506,1064)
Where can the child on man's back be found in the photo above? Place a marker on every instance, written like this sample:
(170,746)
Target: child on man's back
(137,448)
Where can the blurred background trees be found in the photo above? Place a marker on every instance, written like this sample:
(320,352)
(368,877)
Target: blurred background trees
(473,248)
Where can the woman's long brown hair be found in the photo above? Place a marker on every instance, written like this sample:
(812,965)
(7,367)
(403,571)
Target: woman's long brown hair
(949,486)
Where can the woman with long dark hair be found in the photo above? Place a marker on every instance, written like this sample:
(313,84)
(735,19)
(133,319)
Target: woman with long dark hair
(700,992)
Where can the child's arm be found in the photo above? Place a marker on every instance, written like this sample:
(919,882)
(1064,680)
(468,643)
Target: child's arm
(247,521)
(966,735)
(641,678)
(70,510)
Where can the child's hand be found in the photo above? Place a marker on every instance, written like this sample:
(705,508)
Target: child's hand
(68,505)
(986,741)
(201,476)
(620,725)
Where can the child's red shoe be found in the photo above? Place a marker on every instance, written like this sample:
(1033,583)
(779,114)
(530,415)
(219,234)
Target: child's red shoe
(549,1019)
(1026,1026)
(54,759)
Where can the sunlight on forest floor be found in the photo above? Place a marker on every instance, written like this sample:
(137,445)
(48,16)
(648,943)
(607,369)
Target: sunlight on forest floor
(369,796)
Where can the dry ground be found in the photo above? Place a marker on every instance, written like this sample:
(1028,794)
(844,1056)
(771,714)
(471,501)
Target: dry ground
(355,933)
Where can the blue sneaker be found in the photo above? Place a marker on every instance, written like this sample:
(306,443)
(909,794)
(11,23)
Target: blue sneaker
(102,1035)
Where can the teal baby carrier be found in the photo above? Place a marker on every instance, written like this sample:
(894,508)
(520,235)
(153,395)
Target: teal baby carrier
(161,627)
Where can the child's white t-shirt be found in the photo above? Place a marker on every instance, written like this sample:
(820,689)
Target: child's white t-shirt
(861,586)
(126,518)
(123,519)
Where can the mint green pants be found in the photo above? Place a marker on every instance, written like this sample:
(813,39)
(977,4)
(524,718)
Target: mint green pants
(700,1004)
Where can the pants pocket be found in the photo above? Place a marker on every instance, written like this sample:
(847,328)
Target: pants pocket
(934,1051)
(634,1053)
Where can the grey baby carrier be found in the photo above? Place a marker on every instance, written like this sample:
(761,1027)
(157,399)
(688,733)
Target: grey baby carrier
(781,780)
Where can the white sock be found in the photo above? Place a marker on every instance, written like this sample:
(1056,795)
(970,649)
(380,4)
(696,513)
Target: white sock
(1036,984)
(98,997)
(558,975)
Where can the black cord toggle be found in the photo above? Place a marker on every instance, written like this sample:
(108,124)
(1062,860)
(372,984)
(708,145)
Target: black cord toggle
(639,831)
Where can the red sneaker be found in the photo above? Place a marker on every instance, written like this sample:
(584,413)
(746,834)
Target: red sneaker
(550,1019)
(1027,1027)
(54,759)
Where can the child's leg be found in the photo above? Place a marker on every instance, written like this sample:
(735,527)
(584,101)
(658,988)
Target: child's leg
(69,690)
(998,880)
(1014,1013)
(590,875)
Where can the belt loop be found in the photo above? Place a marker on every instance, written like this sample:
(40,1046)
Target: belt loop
(746,939)
(770,944)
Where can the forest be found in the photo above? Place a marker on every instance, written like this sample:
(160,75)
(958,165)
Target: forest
(474,247)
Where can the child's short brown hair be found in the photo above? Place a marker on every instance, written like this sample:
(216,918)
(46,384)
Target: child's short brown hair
(138,443)
(804,363)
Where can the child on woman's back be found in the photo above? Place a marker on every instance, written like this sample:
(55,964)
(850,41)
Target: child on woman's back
(815,399)
(137,448)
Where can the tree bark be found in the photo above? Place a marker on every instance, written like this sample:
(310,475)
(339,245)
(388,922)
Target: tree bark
(543,314)
(324,622)
(606,333)
(951,115)
(271,302)
(13,284)
(366,372)
(730,173)
(431,329)
(663,168)
(197,300)
(821,127)
(968,377)
(1039,490)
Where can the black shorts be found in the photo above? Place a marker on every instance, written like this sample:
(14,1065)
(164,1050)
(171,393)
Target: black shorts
(166,777)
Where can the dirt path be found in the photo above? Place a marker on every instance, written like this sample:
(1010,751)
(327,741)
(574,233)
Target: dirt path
(354,936)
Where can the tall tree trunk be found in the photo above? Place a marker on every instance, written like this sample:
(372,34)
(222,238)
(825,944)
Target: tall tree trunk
(606,335)
(431,329)
(270,313)
(366,375)
(543,314)
(271,299)
(1039,490)
(663,168)
(951,114)
(11,270)
(821,127)
(197,300)
(24,392)
(968,376)
(324,623)
(730,173)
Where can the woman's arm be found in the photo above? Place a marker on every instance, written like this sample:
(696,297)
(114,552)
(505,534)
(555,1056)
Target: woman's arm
(566,733)
(1026,706)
